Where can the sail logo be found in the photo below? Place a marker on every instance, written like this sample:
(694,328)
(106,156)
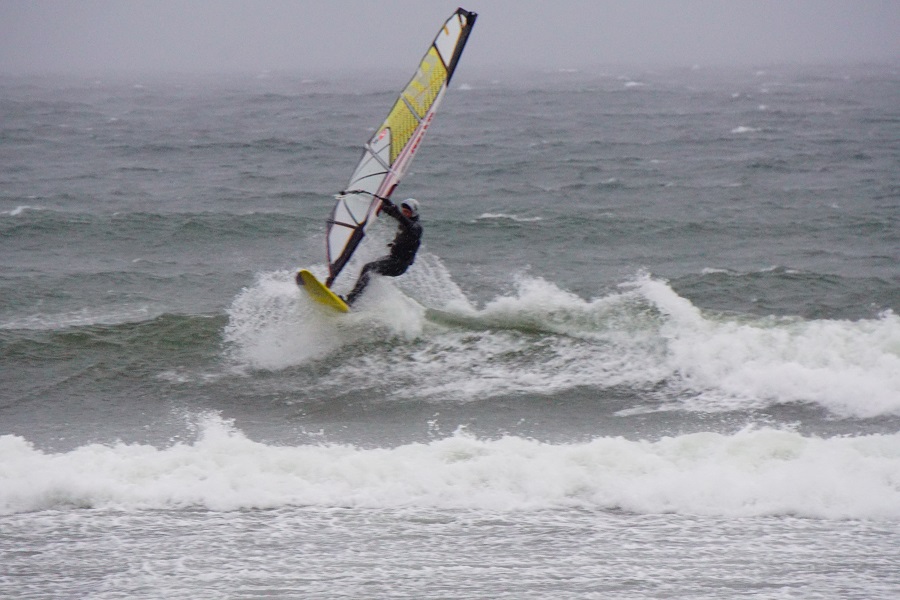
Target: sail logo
(427,82)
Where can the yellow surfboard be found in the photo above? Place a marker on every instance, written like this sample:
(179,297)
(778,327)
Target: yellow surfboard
(319,292)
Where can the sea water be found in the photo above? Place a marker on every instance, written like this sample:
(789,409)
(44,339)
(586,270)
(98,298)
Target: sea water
(650,347)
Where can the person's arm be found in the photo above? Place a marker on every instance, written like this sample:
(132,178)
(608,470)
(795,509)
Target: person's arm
(394,211)
(389,207)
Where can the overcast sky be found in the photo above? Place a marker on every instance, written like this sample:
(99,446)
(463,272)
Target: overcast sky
(304,35)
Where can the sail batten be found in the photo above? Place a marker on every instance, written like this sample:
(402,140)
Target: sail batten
(387,155)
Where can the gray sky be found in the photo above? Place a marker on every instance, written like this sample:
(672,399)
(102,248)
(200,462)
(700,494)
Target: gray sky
(303,35)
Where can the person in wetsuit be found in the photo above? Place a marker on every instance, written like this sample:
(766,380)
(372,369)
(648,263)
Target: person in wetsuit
(403,248)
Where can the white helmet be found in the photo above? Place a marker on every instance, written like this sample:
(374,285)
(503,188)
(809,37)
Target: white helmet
(412,204)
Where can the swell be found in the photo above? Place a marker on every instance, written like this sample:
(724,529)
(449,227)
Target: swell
(30,224)
(101,371)
(164,338)
(785,291)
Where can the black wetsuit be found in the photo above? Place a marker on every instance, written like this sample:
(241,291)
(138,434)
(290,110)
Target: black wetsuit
(403,251)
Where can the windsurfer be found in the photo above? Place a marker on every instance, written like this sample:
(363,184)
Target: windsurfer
(403,248)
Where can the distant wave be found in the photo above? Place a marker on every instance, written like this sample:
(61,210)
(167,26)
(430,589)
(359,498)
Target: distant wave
(146,225)
(749,473)
(134,338)
(20,210)
(772,269)
(80,318)
(507,217)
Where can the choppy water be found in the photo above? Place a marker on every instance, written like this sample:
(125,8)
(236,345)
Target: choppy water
(650,348)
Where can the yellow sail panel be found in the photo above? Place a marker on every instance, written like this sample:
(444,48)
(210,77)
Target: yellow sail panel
(402,123)
(415,101)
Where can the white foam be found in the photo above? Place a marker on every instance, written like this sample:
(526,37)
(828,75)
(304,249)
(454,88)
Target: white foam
(541,339)
(852,368)
(273,325)
(748,473)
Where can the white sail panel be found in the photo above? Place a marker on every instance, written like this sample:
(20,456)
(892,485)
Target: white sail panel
(448,38)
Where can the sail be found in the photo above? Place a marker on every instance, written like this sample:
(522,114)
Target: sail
(387,156)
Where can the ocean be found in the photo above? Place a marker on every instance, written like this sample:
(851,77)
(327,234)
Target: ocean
(650,348)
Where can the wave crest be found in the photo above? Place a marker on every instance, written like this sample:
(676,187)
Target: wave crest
(748,473)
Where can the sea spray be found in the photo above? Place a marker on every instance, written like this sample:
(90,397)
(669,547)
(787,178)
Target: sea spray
(273,326)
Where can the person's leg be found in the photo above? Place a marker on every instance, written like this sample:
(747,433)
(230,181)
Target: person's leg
(364,276)
(388,266)
(361,283)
